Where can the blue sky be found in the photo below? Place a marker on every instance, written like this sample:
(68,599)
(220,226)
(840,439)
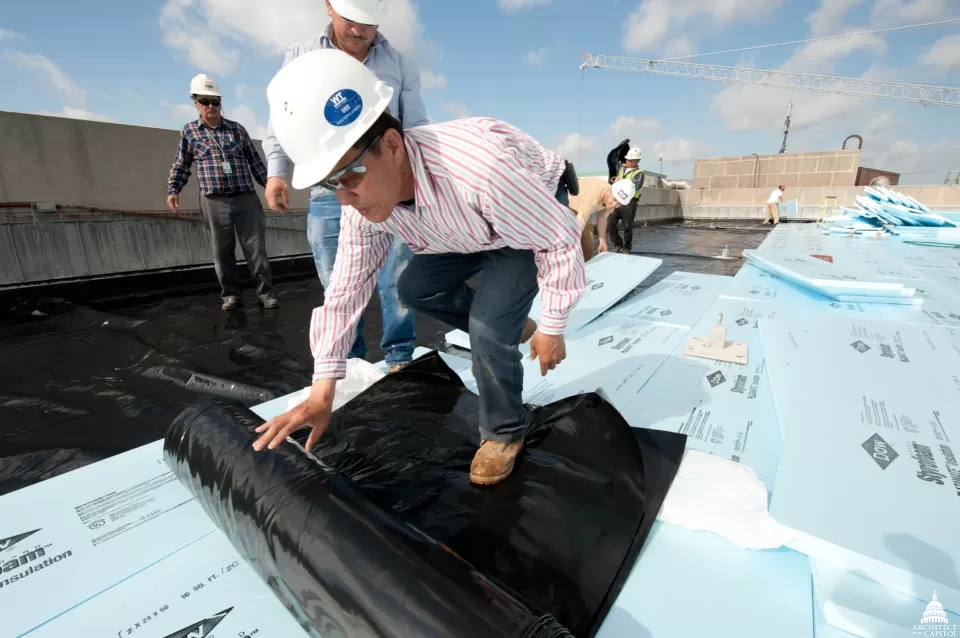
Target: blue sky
(518,60)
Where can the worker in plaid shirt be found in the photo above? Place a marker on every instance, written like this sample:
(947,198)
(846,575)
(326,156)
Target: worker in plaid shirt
(227,163)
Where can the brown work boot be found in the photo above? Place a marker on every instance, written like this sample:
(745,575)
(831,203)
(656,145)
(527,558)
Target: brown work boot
(493,462)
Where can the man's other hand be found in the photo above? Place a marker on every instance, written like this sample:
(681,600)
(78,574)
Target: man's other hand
(173,202)
(551,349)
(314,412)
(602,248)
(276,194)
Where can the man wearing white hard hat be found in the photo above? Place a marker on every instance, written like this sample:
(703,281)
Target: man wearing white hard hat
(593,204)
(468,196)
(627,213)
(353,30)
(227,165)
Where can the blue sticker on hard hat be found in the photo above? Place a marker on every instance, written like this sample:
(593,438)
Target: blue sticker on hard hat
(343,107)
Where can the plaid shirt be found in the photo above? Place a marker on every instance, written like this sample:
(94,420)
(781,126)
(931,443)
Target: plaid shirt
(210,147)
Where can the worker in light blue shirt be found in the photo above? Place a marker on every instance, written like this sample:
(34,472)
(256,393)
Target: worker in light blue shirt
(353,30)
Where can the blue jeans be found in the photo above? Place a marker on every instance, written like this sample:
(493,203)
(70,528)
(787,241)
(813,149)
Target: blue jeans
(323,232)
(493,315)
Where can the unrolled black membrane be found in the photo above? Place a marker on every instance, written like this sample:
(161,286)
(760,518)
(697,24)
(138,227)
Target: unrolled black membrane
(379,532)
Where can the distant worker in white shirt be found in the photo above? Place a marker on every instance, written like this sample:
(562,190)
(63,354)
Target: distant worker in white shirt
(593,204)
(773,205)
(468,197)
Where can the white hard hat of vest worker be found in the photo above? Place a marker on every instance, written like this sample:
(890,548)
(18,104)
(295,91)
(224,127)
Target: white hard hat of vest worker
(635,154)
(624,190)
(321,103)
(366,12)
(203,84)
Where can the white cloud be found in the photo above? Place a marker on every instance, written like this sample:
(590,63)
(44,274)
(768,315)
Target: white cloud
(249,91)
(80,114)
(679,47)
(824,20)
(512,6)
(944,55)
(246,117)
(7,33)
(431,80)
(678,151)
(646,133)
(181,113)
(897,12)
(650,25)
(535,57)
(213,34)
(71,92)
(574,148)
(456,110)
(917,164)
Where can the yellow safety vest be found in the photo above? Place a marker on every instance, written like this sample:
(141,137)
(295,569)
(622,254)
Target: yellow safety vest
(630,174)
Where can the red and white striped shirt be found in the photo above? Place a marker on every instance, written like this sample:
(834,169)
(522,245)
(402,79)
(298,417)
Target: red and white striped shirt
(480,185)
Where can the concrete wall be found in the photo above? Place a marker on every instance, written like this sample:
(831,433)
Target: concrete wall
(826,168)
(80,163)
(49,247)
(749,203)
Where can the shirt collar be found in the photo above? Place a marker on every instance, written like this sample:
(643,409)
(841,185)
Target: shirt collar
(327,39)
(424,193)
(202,124)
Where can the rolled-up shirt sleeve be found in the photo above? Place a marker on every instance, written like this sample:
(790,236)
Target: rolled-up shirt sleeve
(362,251)
(528,216)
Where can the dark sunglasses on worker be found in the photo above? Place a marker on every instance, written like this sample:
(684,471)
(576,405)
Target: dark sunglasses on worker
(335,181)
(359,24)
(208,101)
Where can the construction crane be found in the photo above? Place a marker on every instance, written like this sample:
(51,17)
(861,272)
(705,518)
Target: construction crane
(786,128)
(916,93)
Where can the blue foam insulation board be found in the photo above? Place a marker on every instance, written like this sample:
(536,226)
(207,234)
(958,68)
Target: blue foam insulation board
(610,277)
(865,608)
(688,583)
(680,299)
(724,408)
(614,353)
(869,474)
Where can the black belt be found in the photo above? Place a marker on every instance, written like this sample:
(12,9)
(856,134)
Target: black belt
(230,194)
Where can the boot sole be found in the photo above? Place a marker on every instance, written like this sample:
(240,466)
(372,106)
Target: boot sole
(489,480)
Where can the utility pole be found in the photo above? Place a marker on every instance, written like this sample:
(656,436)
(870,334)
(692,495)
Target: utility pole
(786,128)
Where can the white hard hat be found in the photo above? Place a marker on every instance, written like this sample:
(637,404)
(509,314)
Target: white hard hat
(321,103)
(624,190)
(635,154)
(203,84)
(369,12)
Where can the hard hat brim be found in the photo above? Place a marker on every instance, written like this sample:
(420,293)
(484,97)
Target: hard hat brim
(306,175)
(345,10)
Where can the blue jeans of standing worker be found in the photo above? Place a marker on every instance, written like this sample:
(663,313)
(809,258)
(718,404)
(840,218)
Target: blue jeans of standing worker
(493,315)
(323,232)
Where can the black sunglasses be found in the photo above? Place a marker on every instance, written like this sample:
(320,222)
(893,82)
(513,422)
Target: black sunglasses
(335,181)
(361,24)
(208,101)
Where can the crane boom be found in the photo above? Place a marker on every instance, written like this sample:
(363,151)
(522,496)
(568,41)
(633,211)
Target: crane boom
(916,93)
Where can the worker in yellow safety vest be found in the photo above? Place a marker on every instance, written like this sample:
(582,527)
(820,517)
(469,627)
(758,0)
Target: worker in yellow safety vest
(627,213)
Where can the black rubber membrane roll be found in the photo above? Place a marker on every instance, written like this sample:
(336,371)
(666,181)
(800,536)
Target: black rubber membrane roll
(379,532)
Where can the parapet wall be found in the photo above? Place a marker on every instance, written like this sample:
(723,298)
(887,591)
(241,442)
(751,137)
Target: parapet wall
(824,168)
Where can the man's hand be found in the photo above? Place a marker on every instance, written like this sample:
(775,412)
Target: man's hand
(602,248)
(275,190)
(314,412)
(551,349)
(173,202)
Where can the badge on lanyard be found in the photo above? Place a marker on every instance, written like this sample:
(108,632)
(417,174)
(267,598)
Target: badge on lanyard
(227,168)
